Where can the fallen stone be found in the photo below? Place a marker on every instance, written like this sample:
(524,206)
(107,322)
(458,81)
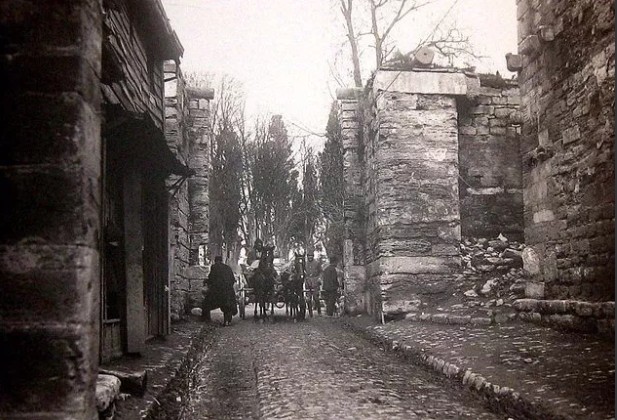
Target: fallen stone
(488,286)
(512,253)
(107,391)
(498,245)
(471,293)
(531,261)
(132,382)
(518,286)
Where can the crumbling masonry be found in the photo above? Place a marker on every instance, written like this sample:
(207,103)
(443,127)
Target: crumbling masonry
(434,155)
(435,149)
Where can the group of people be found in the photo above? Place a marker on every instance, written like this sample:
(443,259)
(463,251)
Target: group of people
(220,292)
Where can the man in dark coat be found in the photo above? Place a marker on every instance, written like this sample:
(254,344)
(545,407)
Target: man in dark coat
(330,285)
(221,292)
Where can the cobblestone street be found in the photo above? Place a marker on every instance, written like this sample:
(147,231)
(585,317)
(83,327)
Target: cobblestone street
(317,370)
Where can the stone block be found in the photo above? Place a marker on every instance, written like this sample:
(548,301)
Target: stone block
(481,321)
(34,358)
(415,265)
(56,283)
(553,306)
(526,305)
(571,134)
(467,131)
(531,261)
(68,217)
(534,290)
(400,306)
(440,318)
(514,62)
(424,82)
(107,391)
(196,272)
(459,319)
(530,46)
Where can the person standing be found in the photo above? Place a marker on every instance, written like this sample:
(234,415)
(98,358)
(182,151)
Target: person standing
(330,285)
(313,283)
(221,293)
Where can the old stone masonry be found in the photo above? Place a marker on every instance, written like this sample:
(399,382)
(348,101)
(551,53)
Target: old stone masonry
(478,213)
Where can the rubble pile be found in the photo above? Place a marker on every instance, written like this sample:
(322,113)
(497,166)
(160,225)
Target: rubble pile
(493,274)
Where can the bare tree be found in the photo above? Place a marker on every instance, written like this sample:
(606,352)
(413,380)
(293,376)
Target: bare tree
(384,16)
(346,10)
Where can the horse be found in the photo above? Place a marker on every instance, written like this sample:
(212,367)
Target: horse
(295,291)
(263,283)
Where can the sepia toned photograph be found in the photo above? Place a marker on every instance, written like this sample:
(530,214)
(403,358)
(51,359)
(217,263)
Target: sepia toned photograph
(307,209)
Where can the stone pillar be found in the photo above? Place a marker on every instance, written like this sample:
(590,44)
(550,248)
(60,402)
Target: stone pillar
(415,236)
(133,248)
(353,202)
(50,167)
(176,117)
(199,218)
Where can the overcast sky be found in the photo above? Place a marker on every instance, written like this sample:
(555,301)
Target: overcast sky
(282,50)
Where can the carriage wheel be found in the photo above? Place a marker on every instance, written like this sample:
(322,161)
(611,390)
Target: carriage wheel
(279,301)
(242,304)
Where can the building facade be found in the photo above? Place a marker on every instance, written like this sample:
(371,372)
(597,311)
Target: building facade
(97,184)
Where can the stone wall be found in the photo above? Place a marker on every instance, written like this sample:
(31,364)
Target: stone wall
(50,166)
(411,140)
(354,204)
(200,138)
(567,87)
(490,183)
(188,130)
(176,126)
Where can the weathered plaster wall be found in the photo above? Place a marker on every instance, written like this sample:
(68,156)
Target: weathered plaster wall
(567,87)
(50,165)
(490,182)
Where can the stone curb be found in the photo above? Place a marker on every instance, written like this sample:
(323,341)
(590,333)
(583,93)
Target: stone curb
(587,317)
(500,399)
(182,367)
(452,319)
(146,406)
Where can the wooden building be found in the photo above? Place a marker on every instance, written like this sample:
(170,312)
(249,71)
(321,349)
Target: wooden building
(137,40)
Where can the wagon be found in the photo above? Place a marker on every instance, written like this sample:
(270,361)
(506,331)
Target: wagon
(245,295)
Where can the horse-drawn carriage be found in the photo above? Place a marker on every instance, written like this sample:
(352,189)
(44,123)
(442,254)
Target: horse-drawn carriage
(267,289)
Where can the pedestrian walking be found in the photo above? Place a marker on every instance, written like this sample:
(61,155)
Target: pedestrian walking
(220,291)
(313,283)
(331,285)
